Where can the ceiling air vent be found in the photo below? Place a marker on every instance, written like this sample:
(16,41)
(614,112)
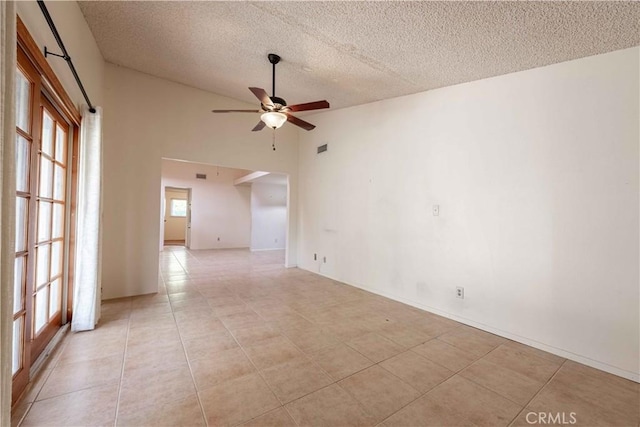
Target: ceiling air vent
(201,176)
(322,148)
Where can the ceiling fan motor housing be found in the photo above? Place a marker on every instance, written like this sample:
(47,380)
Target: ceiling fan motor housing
(277,100)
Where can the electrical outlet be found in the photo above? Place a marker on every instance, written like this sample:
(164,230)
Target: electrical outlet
(460,292)
(436,210)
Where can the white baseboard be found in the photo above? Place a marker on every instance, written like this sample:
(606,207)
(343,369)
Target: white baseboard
(633,376)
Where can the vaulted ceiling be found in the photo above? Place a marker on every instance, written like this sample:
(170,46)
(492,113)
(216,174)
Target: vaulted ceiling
(352,52)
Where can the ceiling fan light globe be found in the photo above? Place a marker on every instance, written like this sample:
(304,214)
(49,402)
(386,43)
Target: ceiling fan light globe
(273,119)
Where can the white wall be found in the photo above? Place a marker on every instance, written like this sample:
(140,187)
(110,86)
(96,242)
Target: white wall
(220,211)
(78,40)
(536,175)
(268,216)
(149,119)
(175,227)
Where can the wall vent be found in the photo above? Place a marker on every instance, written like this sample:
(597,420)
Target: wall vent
(201,176)
(322,148)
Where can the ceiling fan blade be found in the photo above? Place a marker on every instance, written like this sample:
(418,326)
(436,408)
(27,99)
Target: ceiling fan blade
(235,111)
(262,96)
(258,127)
(317,105)
(299,122)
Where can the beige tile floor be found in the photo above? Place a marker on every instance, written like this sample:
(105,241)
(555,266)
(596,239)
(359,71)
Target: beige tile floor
(233,338)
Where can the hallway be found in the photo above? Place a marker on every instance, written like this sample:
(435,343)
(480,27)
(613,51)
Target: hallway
(233,337)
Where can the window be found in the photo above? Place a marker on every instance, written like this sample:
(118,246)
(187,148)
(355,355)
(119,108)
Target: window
(179,207)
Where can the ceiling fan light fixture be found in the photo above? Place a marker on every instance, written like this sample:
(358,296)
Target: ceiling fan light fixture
(273,119)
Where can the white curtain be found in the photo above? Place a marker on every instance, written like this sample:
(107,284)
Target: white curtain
(86,295)
(8,198)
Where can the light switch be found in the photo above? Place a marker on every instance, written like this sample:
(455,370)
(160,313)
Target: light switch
(436,210)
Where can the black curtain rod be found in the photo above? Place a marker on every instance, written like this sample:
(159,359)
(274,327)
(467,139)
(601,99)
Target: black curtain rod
(65,54)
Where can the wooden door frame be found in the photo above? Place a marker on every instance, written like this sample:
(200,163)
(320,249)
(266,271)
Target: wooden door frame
(50,86)
(21,378)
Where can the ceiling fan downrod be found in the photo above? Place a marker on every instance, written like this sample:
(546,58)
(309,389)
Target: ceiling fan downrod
(274,59)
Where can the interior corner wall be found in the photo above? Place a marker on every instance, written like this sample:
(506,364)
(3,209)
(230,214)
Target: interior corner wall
(147,119)
(536,177)
(268,216)
(220,211)
(78,40)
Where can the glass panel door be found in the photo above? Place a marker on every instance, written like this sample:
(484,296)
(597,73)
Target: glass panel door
(46,145)
(49,245)
(25,89)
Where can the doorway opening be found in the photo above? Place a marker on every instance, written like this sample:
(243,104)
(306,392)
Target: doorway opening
(177,216)
(226,208)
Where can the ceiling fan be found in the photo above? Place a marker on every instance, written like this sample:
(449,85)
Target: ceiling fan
(275,110)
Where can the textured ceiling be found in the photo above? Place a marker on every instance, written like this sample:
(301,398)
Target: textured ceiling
(352,53)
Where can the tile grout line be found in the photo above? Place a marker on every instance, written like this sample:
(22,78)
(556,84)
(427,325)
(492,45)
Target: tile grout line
(493,391)
(433,361)
(539,391)
(419,397)
(308,357)
(169,302)
(184,349)
(311,358)
(362,406)
(124,357)
(455,373)
(62,346)
(19,424)
(248,358)
(282,405)
(57,362)
(336,382)
(421,394)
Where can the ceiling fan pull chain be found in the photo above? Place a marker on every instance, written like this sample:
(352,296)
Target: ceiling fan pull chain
(273,143)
